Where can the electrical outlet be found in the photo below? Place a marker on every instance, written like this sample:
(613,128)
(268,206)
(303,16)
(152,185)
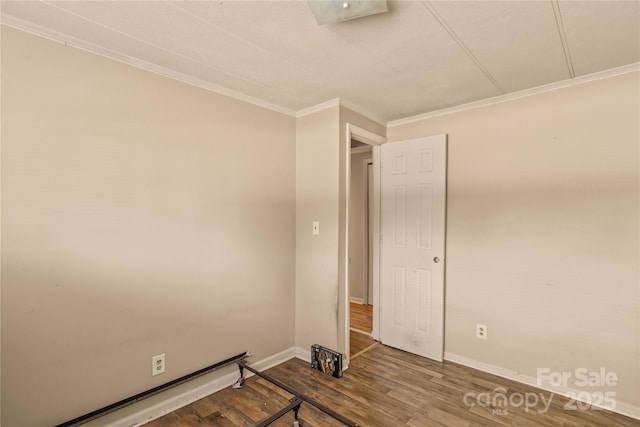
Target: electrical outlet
(157,365)
(481,331)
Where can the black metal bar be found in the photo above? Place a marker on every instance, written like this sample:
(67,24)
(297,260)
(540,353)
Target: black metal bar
(140,396)
(295,411)
(344,420)
(294,405)
(270,379)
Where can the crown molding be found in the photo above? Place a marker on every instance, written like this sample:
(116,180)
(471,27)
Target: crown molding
(359,110)
(521,94)
(58,37)
(319,107)
(66,39)
(339,102)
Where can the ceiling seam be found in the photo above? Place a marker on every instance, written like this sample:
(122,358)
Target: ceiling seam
(259,48)
(568,83)
(392,68)
(464,47)
(557,14)
(168,50)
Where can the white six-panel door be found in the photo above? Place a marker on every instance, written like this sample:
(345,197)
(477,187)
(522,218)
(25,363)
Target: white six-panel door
(413,202)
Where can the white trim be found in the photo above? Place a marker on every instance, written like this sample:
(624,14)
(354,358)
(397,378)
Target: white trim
(77,43)
(359,110)
(368,214)
(360,331)
(375,141)
(303,354)
(58,37)
(521,94)
(339,102)
(377,173)
(146,414)
(622,408)
(363,135)
(66,39)
(362,149)
(356,300)
(319,107)
(346,334)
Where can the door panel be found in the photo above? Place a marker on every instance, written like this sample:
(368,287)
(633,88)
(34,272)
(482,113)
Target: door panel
(412,248)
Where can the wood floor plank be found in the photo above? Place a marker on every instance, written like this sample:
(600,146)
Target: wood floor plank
(439,416)
(169,420)
(385,387)
(218,419)
(359,342)
(361,317)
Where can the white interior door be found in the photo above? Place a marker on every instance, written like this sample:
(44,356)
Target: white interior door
(413,198)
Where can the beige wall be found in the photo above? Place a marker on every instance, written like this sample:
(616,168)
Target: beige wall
(317,255)
(321,153)
(140,216)
(543,230)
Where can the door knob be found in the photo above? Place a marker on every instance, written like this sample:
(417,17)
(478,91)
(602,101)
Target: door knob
(436,259)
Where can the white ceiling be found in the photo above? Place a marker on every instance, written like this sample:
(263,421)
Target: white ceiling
(419,57)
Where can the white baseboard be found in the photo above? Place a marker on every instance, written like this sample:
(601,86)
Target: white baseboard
(356,300)
(622,408)
(275,360)
(369,334)
(152,412)
(303,354)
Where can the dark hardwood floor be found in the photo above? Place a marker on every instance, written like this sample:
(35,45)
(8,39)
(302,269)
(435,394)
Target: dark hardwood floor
(360,343)
(387,387)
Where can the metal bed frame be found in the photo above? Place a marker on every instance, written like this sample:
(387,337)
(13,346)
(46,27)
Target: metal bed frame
(294,403)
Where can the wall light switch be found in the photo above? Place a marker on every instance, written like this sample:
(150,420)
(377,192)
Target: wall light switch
(316,227)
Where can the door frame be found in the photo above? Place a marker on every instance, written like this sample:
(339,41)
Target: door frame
(369,264)
(375,140)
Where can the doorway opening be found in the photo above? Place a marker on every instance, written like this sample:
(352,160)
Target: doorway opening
(361,239)
(413,296)
(360,246)
(361,243)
